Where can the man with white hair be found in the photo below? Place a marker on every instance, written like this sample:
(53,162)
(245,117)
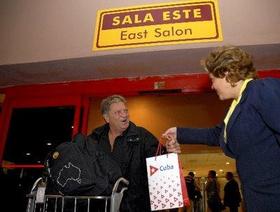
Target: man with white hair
(129,145)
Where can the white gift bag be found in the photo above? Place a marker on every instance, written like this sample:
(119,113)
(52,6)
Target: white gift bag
(164,182)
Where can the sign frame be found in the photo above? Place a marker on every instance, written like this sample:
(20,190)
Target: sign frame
(159,24)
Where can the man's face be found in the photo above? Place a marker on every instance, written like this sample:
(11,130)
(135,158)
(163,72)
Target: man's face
(118,117)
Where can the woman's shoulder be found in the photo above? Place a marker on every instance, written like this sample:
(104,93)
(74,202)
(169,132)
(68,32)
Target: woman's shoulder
(263,91)
(263,86)
(265,83)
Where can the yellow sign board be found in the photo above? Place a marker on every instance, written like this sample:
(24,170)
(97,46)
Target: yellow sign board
(169,23)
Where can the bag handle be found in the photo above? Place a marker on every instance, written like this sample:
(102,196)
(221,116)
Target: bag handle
(184,188)
(158,152)
(159,148)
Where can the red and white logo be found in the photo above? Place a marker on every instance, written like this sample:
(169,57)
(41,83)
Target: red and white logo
(153,170)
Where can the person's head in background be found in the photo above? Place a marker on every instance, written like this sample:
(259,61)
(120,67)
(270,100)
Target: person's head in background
(212,174)
(229,175)
(191,174)
(228,67)
(115,113)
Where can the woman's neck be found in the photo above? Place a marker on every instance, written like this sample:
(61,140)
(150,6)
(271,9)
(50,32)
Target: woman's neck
(237,89)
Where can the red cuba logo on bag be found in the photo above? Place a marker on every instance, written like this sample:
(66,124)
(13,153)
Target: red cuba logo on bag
(153,170)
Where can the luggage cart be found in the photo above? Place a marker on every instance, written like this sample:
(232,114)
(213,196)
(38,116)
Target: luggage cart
(39,202)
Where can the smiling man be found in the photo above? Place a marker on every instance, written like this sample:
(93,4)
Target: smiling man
(129,145)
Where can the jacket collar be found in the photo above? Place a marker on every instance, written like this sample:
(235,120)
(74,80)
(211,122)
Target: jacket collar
(130,131)
(237,109)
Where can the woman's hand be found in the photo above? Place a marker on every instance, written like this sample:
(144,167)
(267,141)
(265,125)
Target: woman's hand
(171,132)
(171,144)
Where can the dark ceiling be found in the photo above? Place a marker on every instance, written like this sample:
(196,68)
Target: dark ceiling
(171,62)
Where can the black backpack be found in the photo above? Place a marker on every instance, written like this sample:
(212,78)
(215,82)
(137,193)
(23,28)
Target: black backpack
(81,168)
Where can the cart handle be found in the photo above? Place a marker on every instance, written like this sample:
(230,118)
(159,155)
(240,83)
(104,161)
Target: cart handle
(121,179)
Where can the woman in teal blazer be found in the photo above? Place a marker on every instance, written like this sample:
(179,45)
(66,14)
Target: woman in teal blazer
(250,132)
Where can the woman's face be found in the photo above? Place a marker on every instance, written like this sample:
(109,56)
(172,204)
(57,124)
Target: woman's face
(223,88)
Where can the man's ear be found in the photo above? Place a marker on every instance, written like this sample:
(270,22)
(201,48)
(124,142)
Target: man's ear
(106,118)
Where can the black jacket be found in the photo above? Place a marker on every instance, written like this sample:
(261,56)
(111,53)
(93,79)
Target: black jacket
(232,196)
(130,151)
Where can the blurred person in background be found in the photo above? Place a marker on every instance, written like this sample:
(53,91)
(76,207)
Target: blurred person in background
(193,192)
(213,192)
(232,197)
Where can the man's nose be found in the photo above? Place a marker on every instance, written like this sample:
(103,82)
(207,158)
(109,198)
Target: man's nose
(123,112)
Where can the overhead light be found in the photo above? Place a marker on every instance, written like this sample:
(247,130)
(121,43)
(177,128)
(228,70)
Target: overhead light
(227,163)
(27,153)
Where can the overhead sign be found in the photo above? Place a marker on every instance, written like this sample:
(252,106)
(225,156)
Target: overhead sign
(169,23)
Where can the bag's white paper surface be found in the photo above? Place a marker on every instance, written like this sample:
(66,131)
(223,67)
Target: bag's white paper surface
(164,182)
